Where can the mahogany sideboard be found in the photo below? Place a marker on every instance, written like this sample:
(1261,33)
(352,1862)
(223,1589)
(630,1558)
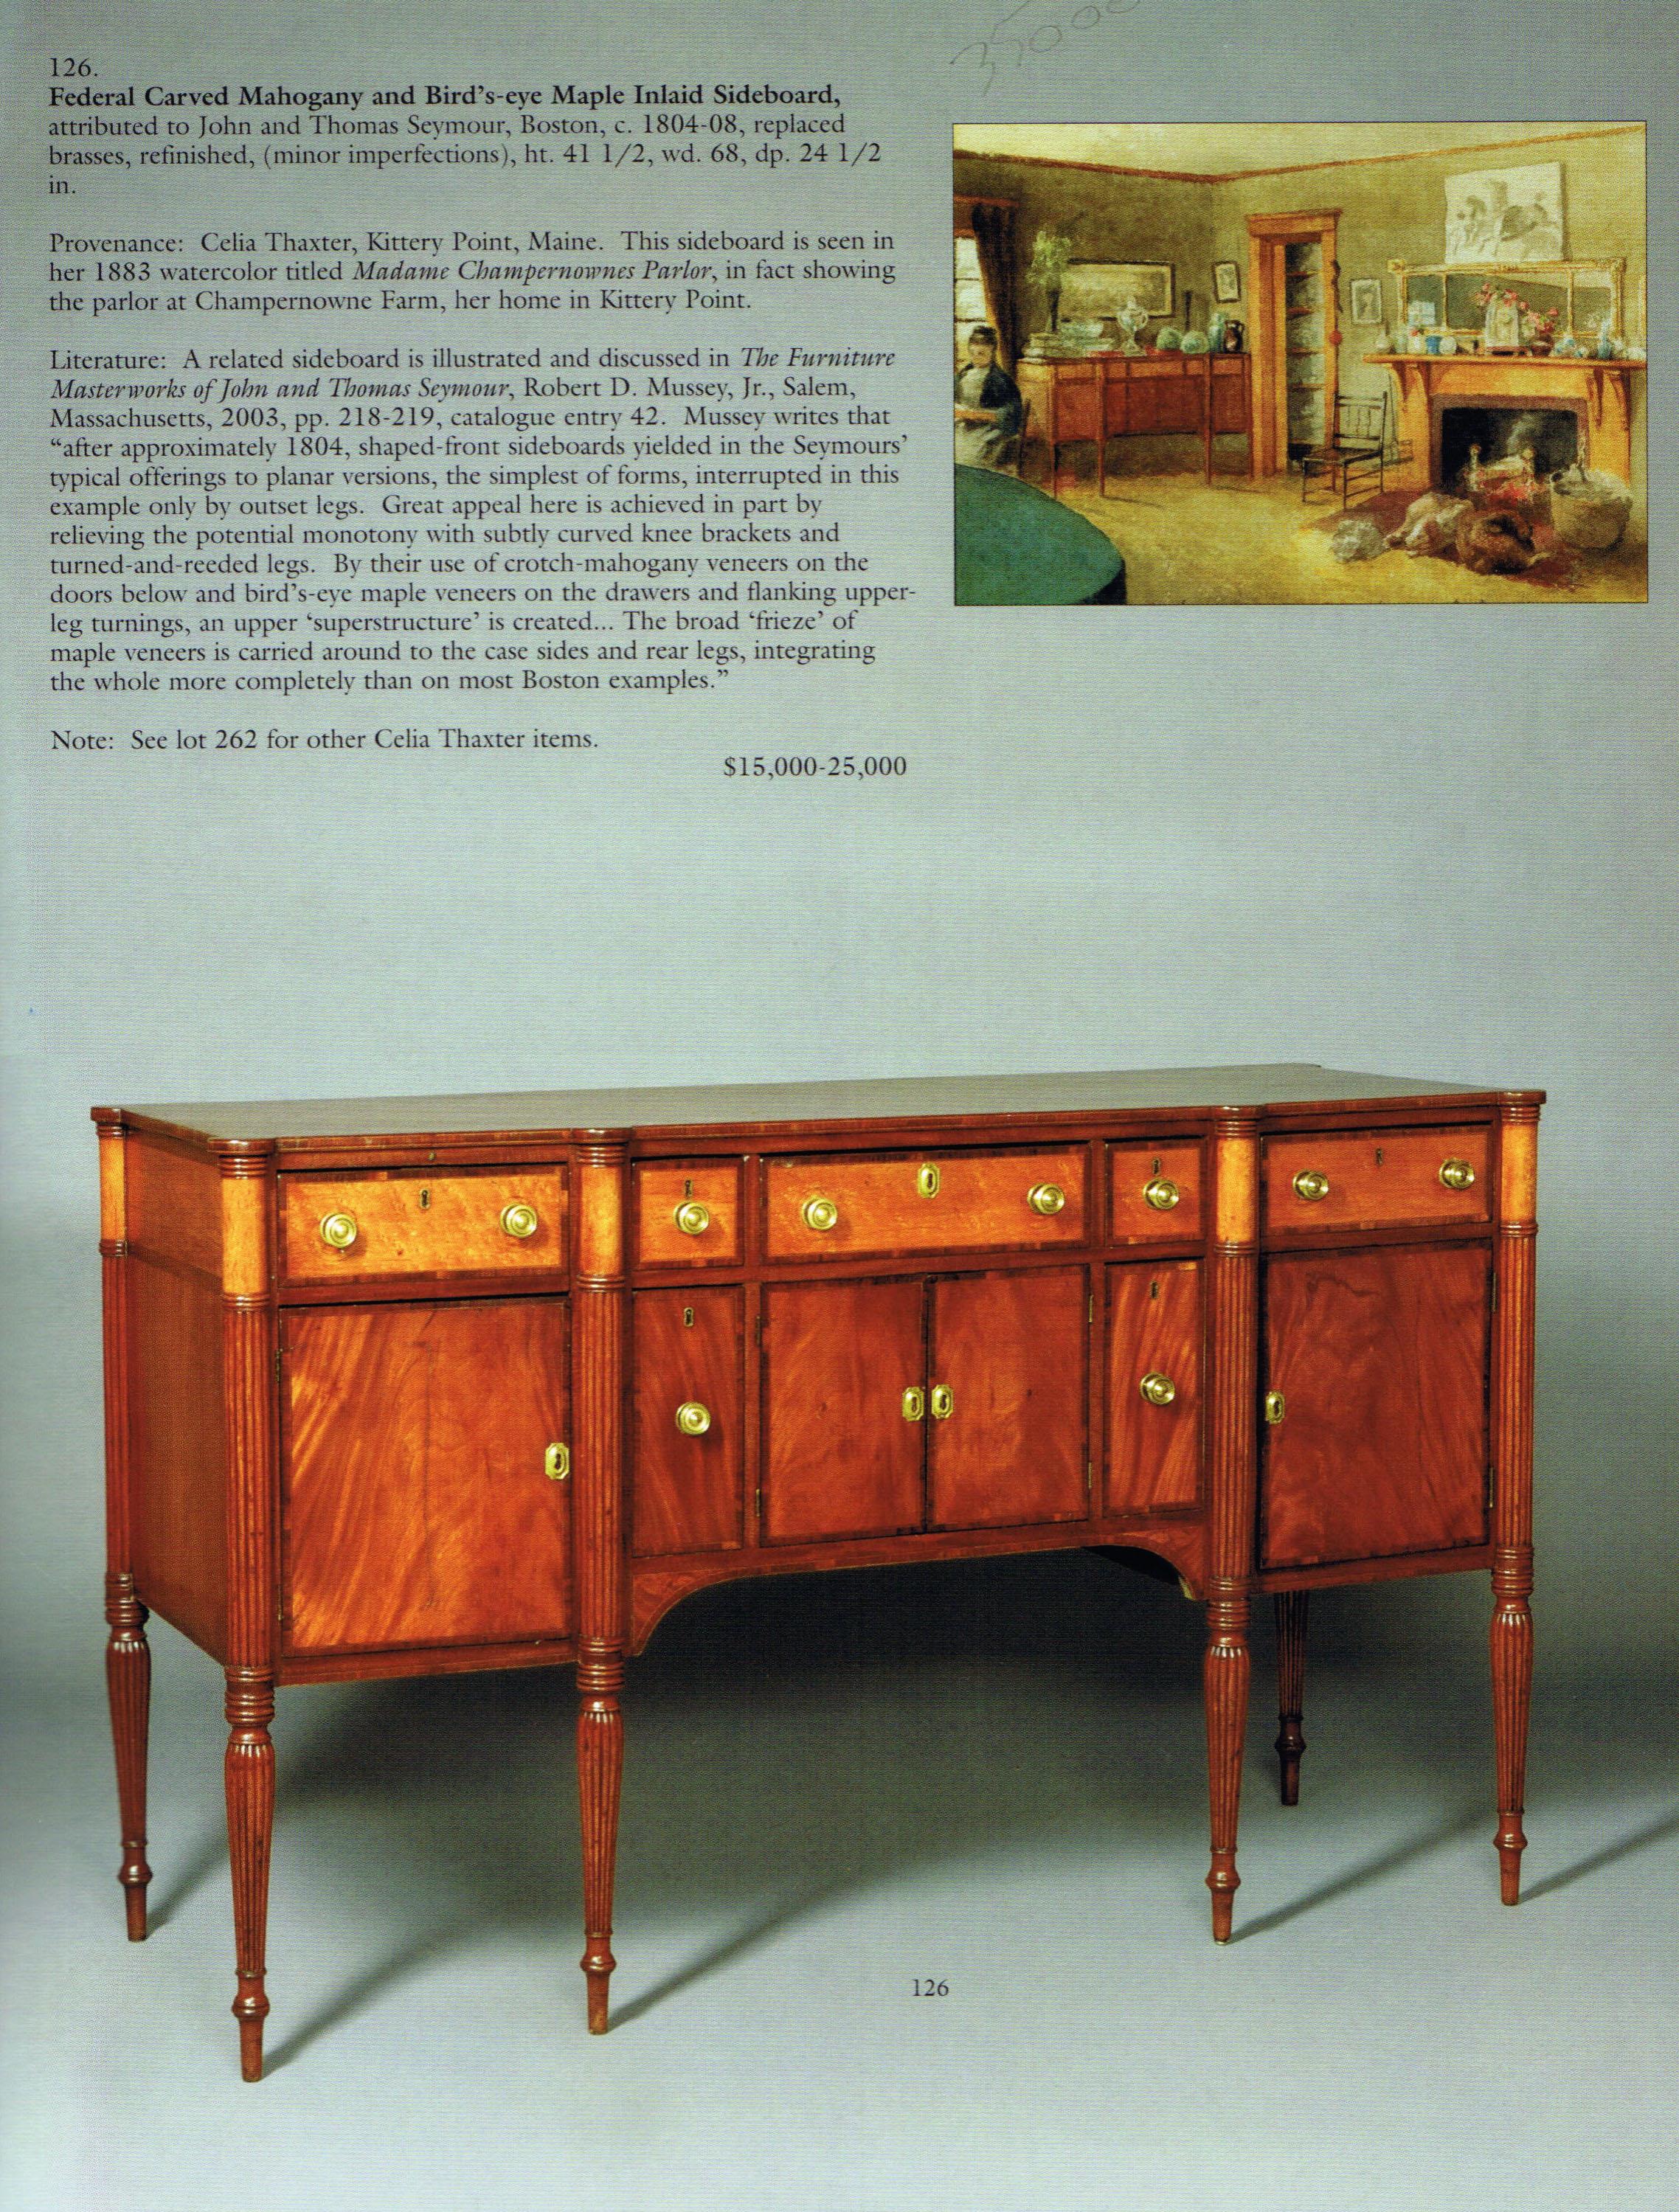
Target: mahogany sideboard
(415,1386)
(1098,396)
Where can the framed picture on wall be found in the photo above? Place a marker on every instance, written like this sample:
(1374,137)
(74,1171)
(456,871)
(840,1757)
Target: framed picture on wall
(1366,299)
(1227,281)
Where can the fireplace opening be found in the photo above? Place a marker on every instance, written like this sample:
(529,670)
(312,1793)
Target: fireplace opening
(1501,433)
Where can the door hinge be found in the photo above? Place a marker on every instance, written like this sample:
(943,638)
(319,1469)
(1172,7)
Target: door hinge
(279,1357)
(1495,1294)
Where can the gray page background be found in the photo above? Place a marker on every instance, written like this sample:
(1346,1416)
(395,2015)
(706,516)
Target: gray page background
(1433,841)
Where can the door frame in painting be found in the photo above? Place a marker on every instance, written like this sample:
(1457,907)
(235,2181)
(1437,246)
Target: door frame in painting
(1268,236)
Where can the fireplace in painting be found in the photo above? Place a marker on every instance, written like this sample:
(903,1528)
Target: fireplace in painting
(1553,427)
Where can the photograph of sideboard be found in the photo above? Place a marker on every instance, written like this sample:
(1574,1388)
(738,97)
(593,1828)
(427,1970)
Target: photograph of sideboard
(1244,352)
(419,1386)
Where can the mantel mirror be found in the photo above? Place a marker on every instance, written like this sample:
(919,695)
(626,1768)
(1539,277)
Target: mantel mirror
(1581,291)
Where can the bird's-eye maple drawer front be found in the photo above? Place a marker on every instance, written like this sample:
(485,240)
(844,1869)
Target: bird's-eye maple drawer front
(687,1214)
(957,1402)
(851,1208)
(1380,1177)
(414,1221)
(687,1432)
(409,1516)
(1375,1429)
(1153,1193)
(1154,1340)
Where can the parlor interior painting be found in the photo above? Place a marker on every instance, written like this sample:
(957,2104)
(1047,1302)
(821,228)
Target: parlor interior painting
(1263,364)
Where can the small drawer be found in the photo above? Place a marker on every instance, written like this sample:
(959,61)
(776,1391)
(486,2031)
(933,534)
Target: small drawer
(688,1214)
(1375,1178)
(821,1209)
(1153,1193)
(413,1221)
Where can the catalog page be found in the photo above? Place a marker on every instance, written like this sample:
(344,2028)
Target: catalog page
(1065,576)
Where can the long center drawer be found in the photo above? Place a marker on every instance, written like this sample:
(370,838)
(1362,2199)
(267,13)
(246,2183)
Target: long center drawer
(852,1207)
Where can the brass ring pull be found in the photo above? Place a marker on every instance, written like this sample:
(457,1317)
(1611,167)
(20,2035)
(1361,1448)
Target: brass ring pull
(1159,1389)
(1046,1198)
(940,1401)
(692,1218)
(339,1230)
(1456,1174)
(927,1179)
(520,1219)
(819,1213)
(913,1404)
(1162,1193)
(556,1462)
(1310,1184)
(693,1418)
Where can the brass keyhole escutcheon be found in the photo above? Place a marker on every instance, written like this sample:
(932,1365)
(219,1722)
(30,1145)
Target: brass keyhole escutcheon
(693,1418)
(1275,1406)
(819,1213)
(1159,1389)
(1310,1184)
(927,1181)
(520,1219)
(339,1230)
(425,1197)
(1162,1193)
(913,1404)
(556,1462)
(687,1316)
(1046,1198)
(940,1401)
(1456,1174)
(693,1219)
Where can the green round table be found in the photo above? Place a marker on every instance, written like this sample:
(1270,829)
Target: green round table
(1015,547)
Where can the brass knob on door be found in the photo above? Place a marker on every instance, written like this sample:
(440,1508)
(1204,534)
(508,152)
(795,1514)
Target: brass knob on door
(1456,1174)
(693,1418)
(556,1462)
(1159,1389)
(520,1219)
(940,1402)
(1046,1198)
(1310,1184)
(1162,1193)
(819,1213)
(339,1230)
(692,1218)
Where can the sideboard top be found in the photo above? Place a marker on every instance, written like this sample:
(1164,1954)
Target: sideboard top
(918,1100)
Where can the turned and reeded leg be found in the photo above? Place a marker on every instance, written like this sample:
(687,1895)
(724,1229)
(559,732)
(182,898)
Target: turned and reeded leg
(599,1773)
(248,1772)
(1513,1682)
(1224,1682)
(128,1680)
(1290,1607)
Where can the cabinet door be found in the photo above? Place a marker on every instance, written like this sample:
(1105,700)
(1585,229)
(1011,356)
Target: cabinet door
(1381,1359)
(840,1456)
(1154,1334)
(685,1477)
(418,1508)
(1007,1398)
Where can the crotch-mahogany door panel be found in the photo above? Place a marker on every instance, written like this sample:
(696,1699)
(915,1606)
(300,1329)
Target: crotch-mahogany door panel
(422,1503)
(1376,1371)
(687,1433)
(844,1366)
(1154,1340)
(1008,1390)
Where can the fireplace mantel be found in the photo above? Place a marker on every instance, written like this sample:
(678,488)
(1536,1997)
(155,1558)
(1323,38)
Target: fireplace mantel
(1599,391)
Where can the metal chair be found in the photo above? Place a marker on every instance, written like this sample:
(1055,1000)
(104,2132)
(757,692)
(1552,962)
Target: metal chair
(1357,452)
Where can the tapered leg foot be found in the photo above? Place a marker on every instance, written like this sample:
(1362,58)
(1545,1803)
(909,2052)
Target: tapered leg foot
(1512,1685)
(248,1774)
(1225,1674)
(599,1778)
(128,1680)
(1290,1608)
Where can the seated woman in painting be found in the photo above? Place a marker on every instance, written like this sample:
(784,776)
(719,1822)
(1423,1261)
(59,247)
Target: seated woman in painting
(989,413)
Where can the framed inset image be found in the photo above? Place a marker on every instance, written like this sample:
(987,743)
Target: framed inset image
(1366,299)
(1227,281)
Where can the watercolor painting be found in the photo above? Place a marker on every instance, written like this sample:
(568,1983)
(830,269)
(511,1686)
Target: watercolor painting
(1300,363)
